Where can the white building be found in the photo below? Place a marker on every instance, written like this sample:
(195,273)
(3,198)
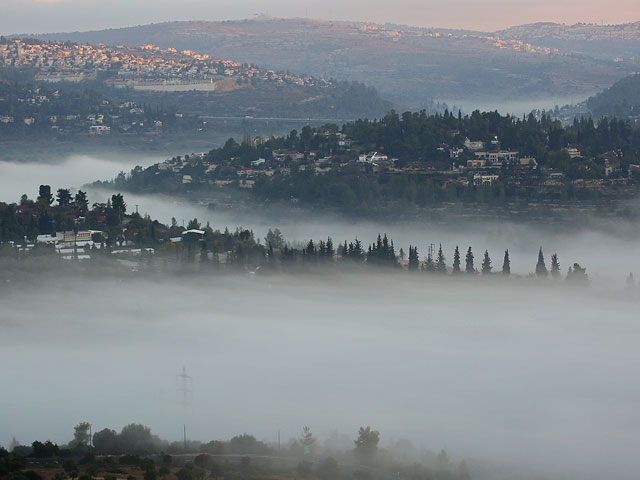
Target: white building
(372,157)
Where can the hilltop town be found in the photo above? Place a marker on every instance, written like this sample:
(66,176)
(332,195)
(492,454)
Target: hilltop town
(410,66)
(145,67)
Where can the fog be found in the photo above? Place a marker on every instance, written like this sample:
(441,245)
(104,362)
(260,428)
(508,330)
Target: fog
(517,107)
(74,171)
(522,375)
(509,373)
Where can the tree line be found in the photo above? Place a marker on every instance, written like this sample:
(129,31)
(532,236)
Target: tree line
(195,243)
(136,451)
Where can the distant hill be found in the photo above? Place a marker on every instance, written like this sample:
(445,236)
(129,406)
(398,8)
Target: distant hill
(410,66)
(621,100)
(608,42)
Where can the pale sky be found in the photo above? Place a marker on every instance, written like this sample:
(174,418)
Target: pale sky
(44,16)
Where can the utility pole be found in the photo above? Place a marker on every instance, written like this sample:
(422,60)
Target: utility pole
(184,380)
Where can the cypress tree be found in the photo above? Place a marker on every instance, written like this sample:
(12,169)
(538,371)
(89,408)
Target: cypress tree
(456,261)
(413,259)
(541,268)
(441,266)
(486,263)
(506,264)
(555,267)
(469,268)
(386,249)
(392,259)
(429,266)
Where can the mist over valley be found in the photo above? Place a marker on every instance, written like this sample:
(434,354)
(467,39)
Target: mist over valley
(516,374)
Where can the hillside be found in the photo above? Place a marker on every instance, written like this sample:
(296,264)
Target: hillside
(187,81)
(620,100)
(410,66)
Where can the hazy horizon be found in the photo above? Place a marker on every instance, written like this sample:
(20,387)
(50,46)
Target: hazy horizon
(51,16)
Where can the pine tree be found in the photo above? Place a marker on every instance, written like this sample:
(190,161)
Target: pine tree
(344,250)
(456,261)
(541,268)
(309,252)
(506,264)
(555,267)
(486,263)
(356,253)
(469,268)
(441,266)
(44,195)
(322,249)
(330,249)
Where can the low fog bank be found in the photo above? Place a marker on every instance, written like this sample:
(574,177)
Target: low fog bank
(518,106)
(609,248)
(538,378)
(71,172)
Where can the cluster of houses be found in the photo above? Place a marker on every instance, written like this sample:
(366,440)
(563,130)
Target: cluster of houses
(484,165)
(477,163)
(64,61)
(80,245)
(70,245)
(124,118)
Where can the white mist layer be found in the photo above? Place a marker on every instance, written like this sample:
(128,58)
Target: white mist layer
(519,374)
